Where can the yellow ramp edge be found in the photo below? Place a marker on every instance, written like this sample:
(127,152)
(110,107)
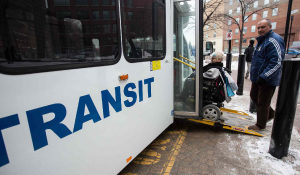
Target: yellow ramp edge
(228,127)
(233,111)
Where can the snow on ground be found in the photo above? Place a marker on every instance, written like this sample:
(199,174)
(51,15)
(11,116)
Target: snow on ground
(258,147)
(261,162)
(261,159)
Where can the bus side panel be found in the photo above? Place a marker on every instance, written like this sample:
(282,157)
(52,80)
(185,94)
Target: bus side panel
(97,144)
(84,120)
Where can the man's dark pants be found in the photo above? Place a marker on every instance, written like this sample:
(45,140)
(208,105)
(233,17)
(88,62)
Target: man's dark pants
(261,95)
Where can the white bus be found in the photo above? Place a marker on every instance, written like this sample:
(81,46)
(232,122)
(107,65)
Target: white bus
(86,85)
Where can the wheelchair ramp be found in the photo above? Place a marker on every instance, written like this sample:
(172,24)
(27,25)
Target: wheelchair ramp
(232,120)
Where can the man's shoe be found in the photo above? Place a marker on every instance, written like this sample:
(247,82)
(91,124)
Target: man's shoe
(255,128)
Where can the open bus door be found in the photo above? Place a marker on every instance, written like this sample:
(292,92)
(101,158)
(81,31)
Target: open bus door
(187,60)
(189,52)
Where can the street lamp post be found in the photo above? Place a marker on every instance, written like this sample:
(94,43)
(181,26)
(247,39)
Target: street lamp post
(290,32)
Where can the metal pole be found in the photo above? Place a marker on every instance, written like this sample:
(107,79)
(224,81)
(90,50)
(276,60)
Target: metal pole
(229,56)
(200,55)
(292,18)
(287,23)
(241,73)
(285,108)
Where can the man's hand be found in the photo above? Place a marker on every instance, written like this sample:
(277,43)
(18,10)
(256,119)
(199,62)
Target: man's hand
(260,81)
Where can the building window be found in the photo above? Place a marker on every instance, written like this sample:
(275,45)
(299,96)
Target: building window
(95,2)
(236,41)
(62,2)
(276,0)
(246,18)
(108,2)
(130,15)
(83,14)
(244,40)
(95,14)
(253,28)
(96,28)
(266,2)
(238,10)
(254,17)
(215,34)
(82,2)
(129,3)
(63,14)
(106,15)
(255,5)
(245,30)
(237,20)
(274,25)
(230,2)
(206,36)
(265,14)
(236,31)
(229,22)
(235,49)
(106,28)
(114,28)
(230,12)
(275,12)
(143,41)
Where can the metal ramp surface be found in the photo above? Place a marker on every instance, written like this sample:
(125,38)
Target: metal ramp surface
(232,120)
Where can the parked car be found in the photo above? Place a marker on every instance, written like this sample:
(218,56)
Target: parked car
(295,45)
(295,53)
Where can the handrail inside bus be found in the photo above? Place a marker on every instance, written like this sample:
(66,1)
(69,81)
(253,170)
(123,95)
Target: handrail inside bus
(176,59)
(187,59)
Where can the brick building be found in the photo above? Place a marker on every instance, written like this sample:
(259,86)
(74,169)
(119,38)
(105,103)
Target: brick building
(276,15)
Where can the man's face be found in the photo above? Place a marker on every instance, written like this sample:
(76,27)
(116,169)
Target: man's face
(263,28)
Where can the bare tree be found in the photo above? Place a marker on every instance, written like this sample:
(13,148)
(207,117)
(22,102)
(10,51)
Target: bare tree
(211,13)
(247,10)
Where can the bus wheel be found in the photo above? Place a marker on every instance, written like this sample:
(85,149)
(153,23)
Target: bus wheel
(211,112)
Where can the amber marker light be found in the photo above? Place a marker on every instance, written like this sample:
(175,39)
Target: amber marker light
(123,77)
(128,159)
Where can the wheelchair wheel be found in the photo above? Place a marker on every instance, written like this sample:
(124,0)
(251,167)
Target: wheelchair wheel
(211,112)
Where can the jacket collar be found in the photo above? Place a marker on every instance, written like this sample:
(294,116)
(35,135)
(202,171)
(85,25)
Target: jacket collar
(261,38)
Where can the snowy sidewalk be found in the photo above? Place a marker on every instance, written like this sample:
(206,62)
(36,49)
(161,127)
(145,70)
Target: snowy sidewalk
(257,147)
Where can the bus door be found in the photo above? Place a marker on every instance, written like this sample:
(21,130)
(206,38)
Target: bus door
(185,52)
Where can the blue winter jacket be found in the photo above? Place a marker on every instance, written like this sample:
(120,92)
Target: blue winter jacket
(267,57)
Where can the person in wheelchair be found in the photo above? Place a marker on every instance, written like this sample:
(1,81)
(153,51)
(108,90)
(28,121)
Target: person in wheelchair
(216,62)
(218,86)
(215,76)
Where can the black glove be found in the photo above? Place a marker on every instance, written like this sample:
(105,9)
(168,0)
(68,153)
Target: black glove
(260,81)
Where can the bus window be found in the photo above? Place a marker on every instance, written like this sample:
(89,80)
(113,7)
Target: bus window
(144,29)
(38,36)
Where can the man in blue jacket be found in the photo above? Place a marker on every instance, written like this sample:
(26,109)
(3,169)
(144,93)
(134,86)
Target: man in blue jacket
(265,72)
